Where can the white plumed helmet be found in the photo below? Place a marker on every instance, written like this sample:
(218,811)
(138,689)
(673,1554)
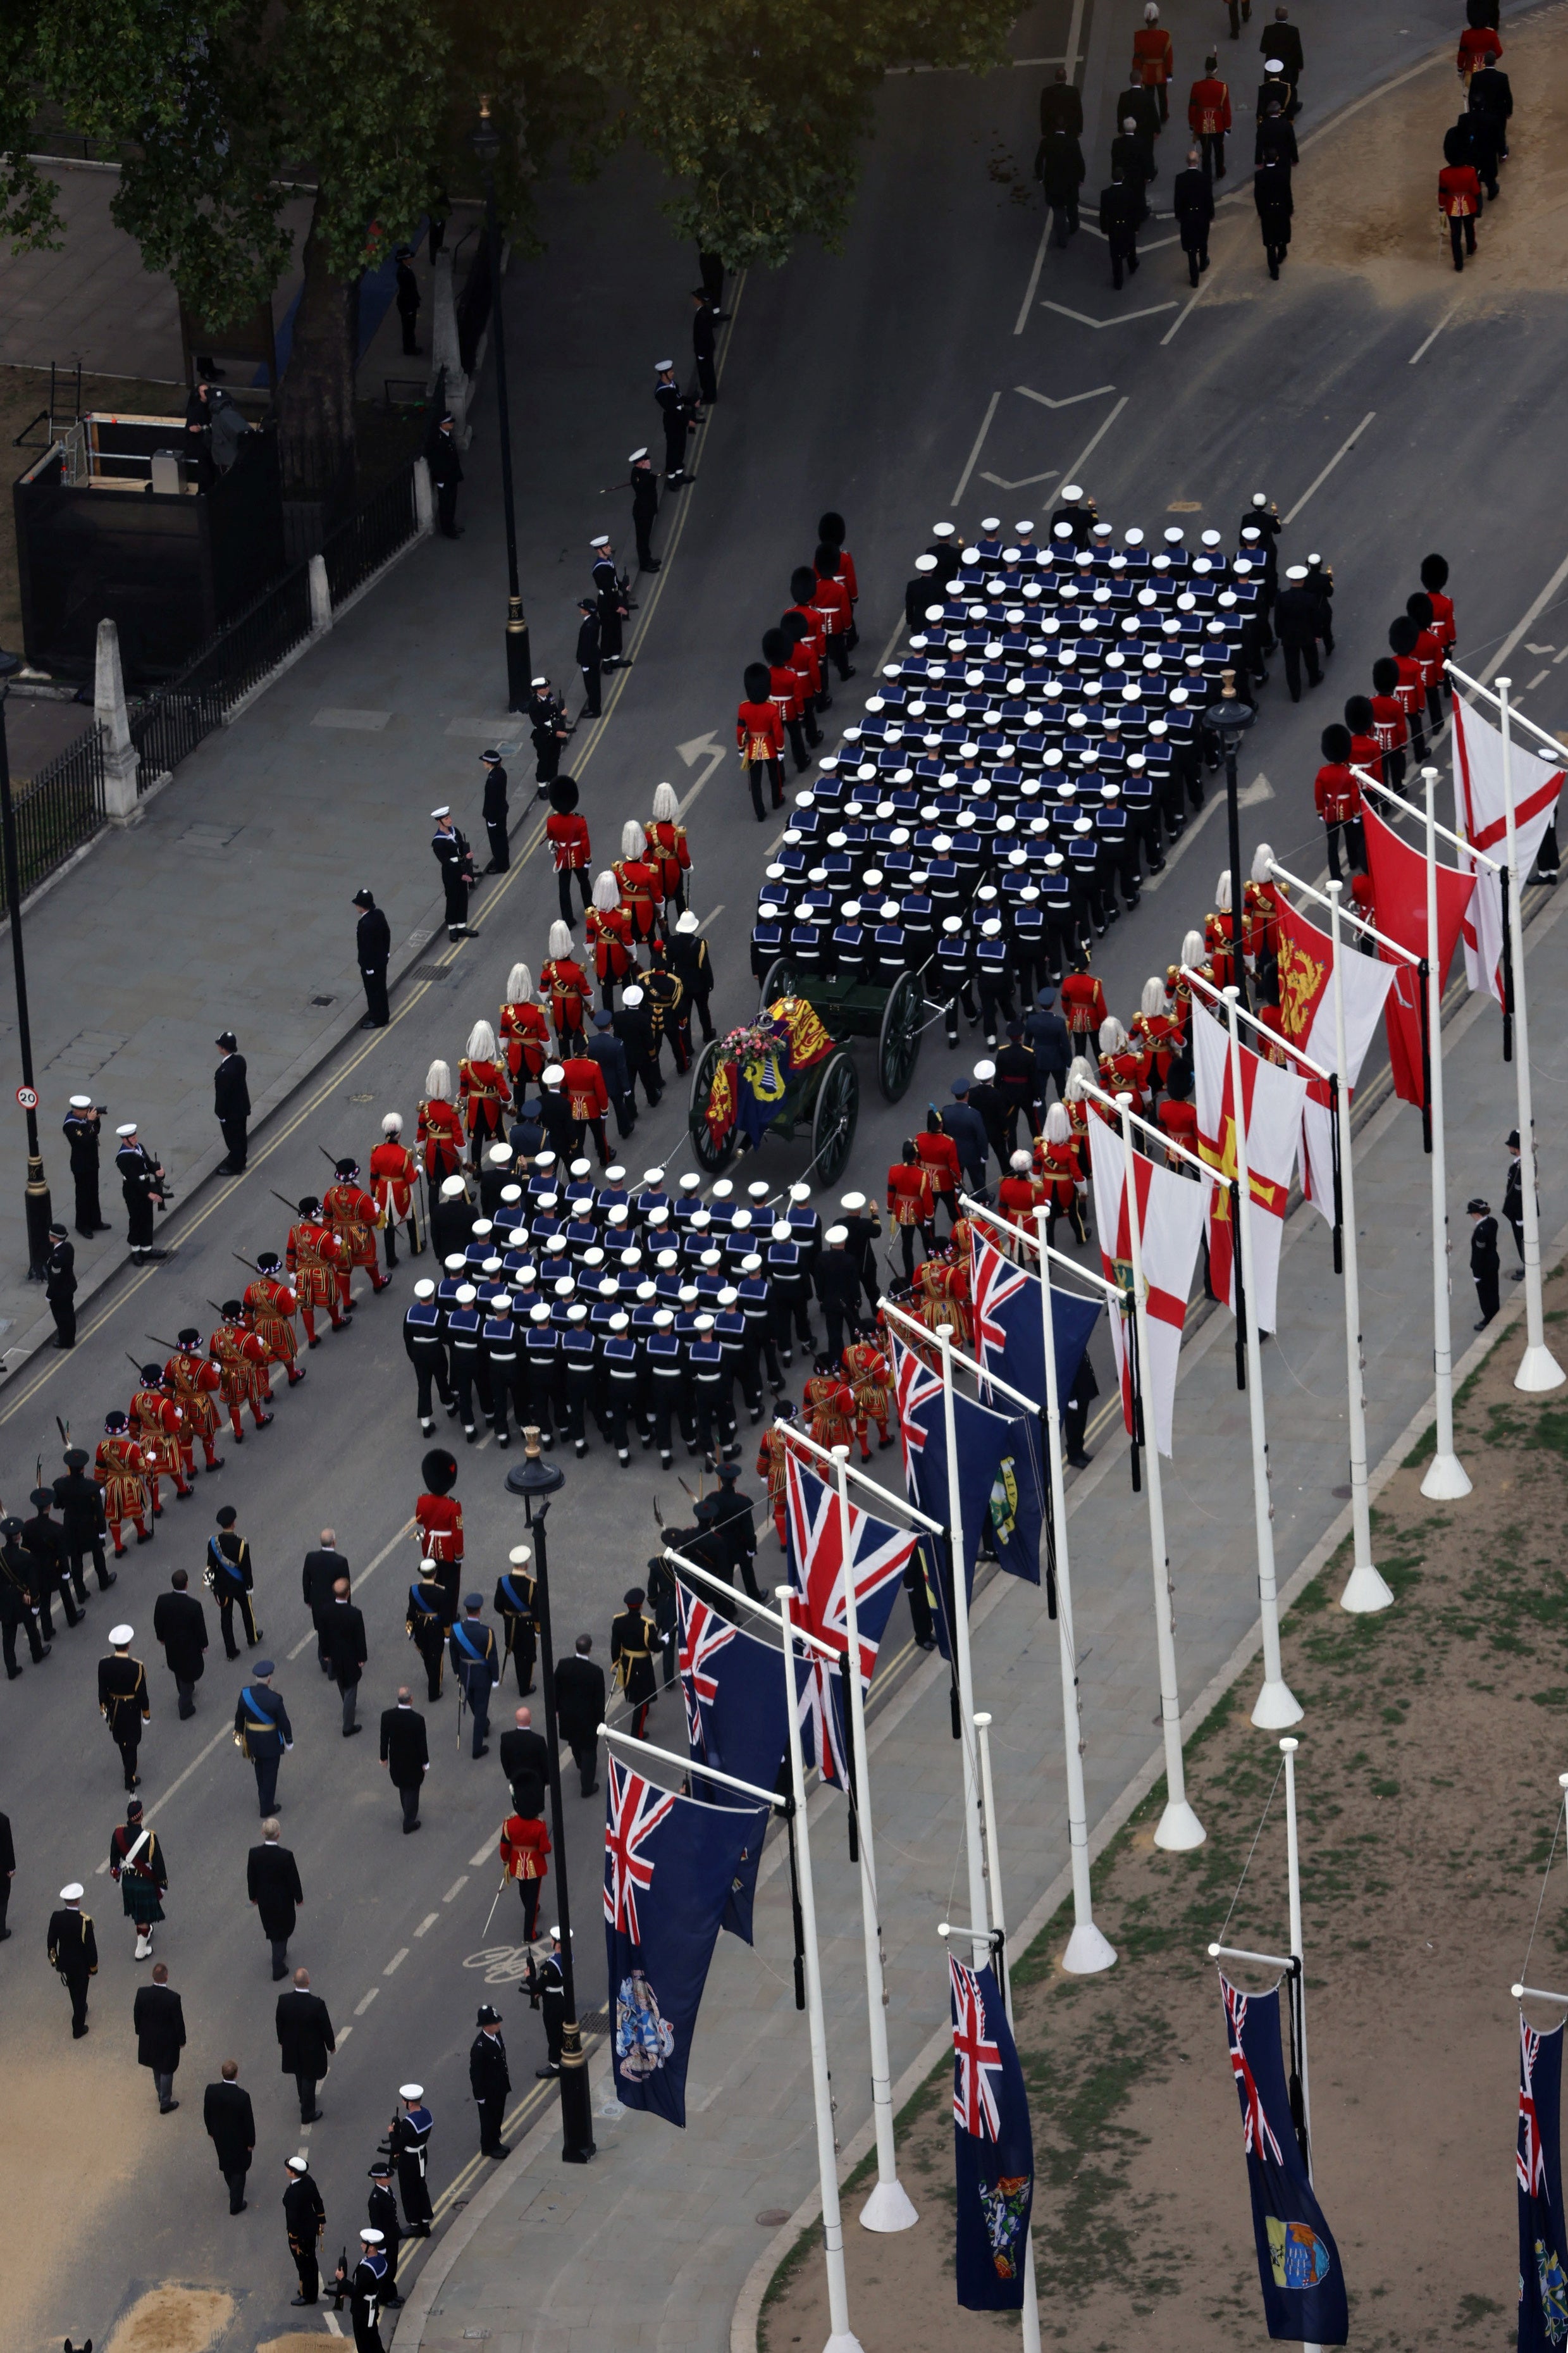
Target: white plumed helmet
(605,893)
(481,1045)
(665,807)
(438,1082)
(634,840)
(560,938)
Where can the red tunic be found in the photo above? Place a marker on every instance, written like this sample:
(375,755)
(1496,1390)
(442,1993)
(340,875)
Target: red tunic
(439,1521)
(269,1309)
(938,1155)
(119,1467)
(440,1132)
(668,850)
(393,1173)
(568,838)
(1083,1003)
(759,731)
(524,1843)
(524,1034)
(910,1201)
(583,1081)
(565,987)
(312,1255)
(1179,1121)
(195,1379)
(637,881)
(609,935)
(351,1213)
(156,1420)
(1458,191)
(832,602)
(1337,794)
(482,1088)
(1209,106)
(1017,1198)
(1153,55)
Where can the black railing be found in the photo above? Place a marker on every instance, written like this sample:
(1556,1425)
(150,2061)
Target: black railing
(58,810)
(364,544)
(167,730)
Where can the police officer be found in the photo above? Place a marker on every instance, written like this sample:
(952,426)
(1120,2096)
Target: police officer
(1513,1201)
(60,1286)
(489,2080)
(81,1135)
(372,949)
(411,2133)
(1484,1264)
(643,487)
(495,813)
(141,1181)
(231,1103)
(446,473)
(304,2219)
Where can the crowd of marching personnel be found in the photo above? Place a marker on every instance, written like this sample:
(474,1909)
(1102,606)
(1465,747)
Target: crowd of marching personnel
(1477,144)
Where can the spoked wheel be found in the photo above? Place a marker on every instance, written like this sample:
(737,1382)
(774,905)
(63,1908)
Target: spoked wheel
(782,980)
(899,1042)
(833,1122)
(712,1153)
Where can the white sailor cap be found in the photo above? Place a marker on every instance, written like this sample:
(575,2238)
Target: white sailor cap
(82,1103)
(128,1128)
(120,1635)
(1072,491)
(1213,539)
(984,1071)
(662,365)
(637,456)
(370,2238)
(926,563)
(1295,572)
(629,997)
(411,2091)
(539,680)
(298,2164)
(552,1075)
(602,539)
(445,810)
(943,529)
(853,1202)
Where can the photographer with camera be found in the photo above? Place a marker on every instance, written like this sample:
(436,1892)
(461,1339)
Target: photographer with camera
(81,1135)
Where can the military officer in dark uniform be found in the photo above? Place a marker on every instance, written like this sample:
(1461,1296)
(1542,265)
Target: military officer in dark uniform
(231,1103)
(495,813)
(450,850)
(588,655)
(1484,1263)
(81,1135)
(59,1285)
(732,1520)
(550,729)
(631,1658)
(80,1502)
(693,967)
(427,1625)
(645,506)
(304,2219)
(411,2133)
(446,473)
(476,1663)
(489,2080)
(382,2214)
(141,1182)
(73,1951)
(18,1604)
(44,1539)
(1513,1201)
(513,1605)
(546,1985)
(614,608)
(122,1699)
(373,948)
(676,413)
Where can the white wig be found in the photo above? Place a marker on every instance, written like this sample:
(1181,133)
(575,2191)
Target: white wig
(1262,858)
(1058,1126)
(393,1123)
(1113,1036)
(1192,951)
(1222,892)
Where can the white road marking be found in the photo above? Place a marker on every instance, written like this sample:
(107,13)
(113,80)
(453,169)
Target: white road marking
(360,2007)
(1092,444)
(1535,681)
(1071,400)
(456,1888)
(343,2033)
(711,917)
(1191,305)
(427,1922)
(333,2323)
(973,455)
(1025,482)
(1529,622)
(1343,451)
(158,1803)
(1530,648)
(396,1961)
(361,722)
(1431,338)
(484,1855)
(692,752)
(1142,249)
(1125,319)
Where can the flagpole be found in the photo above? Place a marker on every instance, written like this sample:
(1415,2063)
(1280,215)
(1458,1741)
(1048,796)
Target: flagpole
(1087,1948)
(994,1861)
(979,1913)
(1538,1368)
(1446,1478)
(1277,1703)
(890,2206)
(1293,1867)
(1179,1827)
(1364,1589)
(841,2337)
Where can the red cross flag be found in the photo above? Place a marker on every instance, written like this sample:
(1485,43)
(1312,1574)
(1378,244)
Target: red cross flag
(1537,781)
(1170,1226)
(1272,1100)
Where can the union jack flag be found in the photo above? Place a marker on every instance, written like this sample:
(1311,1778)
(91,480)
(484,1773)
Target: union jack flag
(635,1812)
(877,1557)
(1257,2133)
(1531,2156)
(994,1281)
(977,2059)
(917,1386)
(704,1633)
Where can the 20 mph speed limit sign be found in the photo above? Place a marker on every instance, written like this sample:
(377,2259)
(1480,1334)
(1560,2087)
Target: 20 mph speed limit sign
(29,1098)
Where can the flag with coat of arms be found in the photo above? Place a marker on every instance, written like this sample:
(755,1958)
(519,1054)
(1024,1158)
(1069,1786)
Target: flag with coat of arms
(1538,2167)
(1009,1329)
(733,1687)
(669,1865)
(1271,1114)
(1298,2261)
(1170,1227)
(1000,1480)
(1306,970)
(1537,781)
(993,2144)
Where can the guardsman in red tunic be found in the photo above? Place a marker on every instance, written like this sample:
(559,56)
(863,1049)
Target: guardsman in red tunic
(565,986)
(1153,58)
(484,1091)
(1338,796)
(312,1257)
(911,1205)
(524,1030)
(583,1081)
(1020,1194)
(1218,935)
(351,1213)
(194,1380)
(1062,1186)
(938,1155)
(667,848)
(270,1307)
(155,1424)
(773,1453)
(395,1182)
(1209,112)
(440,1133)
(870,1376)
(438,1524)
(1122,1065)
(1179,1118)
(637,879)
(119,1469)
(609,932)
(242,1358)
(567,834)
(1083,1005)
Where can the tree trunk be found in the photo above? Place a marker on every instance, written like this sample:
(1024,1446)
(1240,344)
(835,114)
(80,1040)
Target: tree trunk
(316,399)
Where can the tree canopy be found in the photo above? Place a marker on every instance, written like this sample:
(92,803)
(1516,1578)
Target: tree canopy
(221,110)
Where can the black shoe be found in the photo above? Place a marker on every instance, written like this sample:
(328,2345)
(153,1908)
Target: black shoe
(313,2118)
(296,2301)
(1081,1462)
(414,1825)
(592,1790)
(540,2074)
(167,2107)
(500,2150)
(350,1729)
(369,1023)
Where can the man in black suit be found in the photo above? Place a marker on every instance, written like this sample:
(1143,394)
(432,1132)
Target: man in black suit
(231,1103)
(73,1951)
(580,1710)
(159,2024)
(317,1580)
(525,1761)
(272,1883)
(373,946)
(8,1872)
(495,813)
(306,2039)
(343,1638)
(1192,199)
(180,1623)
(230,2122)
(406,1753)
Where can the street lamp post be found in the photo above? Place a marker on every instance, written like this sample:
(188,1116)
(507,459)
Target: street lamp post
(39,1209)
(1229,720)
(536,1481)
(486,143)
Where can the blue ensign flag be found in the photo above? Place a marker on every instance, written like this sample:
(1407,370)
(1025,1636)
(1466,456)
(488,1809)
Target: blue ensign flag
(1543,2246)
(992,2146)
(1009,1331)
(1297,2261)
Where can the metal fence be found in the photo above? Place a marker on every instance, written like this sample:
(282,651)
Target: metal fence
(363,544)
(58,810)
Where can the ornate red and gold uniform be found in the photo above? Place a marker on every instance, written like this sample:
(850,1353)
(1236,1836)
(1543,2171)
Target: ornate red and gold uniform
(938,1155)
(438,1523)
(243,1360)
(194,1378)
(483,1090)
(1017,1198)
(609,934)
(524,1033)
(637,881)
(155,1423)
(394,1173)
(583,1082)
(1083,1006)
(870,1376)
(910,1195)
(119,1468)
(312,1259)
(271,1308)
(1161,1038)
(566,992)
(772,1453)
(668,852)
(351,1213)
(440,1133)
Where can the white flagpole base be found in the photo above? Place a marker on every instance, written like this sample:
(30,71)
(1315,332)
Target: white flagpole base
(1365,1591)
(1277,1708)
(1179,1827)
(1087,1951)
(844,2340)
(1446,1481)
(888,2209)
(1540,1370)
